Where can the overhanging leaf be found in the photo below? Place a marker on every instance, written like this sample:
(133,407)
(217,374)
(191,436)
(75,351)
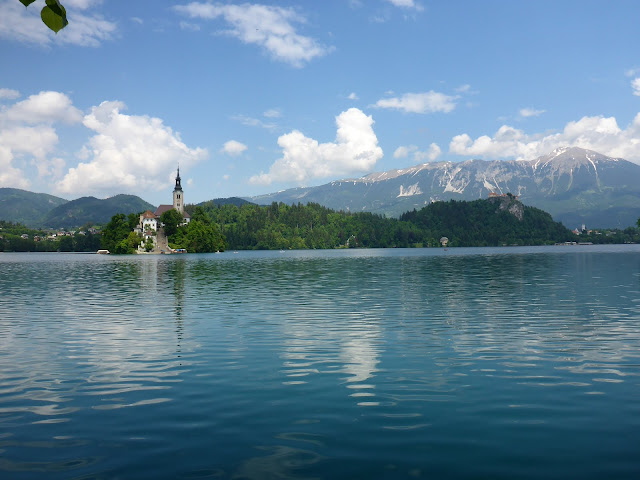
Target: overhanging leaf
(54,16)
(26,3)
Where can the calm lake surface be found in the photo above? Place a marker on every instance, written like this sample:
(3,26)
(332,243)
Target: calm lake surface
(496,363)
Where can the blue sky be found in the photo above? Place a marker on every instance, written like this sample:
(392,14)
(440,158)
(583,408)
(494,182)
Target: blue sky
(252,98)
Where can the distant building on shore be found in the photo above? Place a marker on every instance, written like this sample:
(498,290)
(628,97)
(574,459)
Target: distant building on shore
(178,201)
(150,221)
(497,195)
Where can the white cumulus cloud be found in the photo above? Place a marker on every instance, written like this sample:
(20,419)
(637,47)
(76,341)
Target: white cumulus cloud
(35,141)
(233,148)
(353,96)
(270,27)
(16,142)
(430,154)
(127,153)
(44,107)
(530,112)
(9,175)
(598,133)
(635,84)
(21,24)
(51,167)
(355,150)
(27,135)
(427,102)
(9,93)
(403,152)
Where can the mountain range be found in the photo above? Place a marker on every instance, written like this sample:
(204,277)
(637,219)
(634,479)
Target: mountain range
(28,208)
(576,186)
(43,210)
(94,210)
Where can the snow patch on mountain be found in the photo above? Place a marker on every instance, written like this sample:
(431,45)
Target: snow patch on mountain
(410,191)
(491,187)
(452,184)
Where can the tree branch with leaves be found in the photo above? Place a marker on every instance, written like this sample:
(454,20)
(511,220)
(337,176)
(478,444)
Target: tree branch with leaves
(53,14)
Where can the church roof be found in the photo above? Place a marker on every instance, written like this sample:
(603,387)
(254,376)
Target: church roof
(163,208)
(148,214)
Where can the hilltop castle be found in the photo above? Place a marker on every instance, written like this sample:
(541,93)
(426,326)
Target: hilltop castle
(150,225)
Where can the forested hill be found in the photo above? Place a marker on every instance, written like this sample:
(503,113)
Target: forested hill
(93,210)
(495,221)
(237,201)
(39,210)
(26,207)
(491,222)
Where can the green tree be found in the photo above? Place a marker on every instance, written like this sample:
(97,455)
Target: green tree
(128,244)
(198,237)
(171,220)
(53,14)
(133,240)
(200,214)
(66,244)
(117,231)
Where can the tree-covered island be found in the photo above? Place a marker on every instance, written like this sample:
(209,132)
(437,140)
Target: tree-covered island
(491,222)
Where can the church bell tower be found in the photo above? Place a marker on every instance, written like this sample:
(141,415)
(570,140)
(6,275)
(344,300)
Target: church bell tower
(178,195)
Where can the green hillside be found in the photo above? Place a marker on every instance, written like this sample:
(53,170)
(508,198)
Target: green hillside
(237,201)
(28,208)
(93,210)
(492,222)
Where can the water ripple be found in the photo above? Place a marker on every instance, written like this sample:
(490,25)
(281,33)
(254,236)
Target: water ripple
(496,363)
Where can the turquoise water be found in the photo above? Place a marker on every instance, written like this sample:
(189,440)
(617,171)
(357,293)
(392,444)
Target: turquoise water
(467,363)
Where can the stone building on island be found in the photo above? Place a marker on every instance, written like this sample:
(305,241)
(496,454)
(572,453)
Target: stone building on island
(150,226)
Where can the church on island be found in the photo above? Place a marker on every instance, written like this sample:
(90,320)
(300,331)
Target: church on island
(150,226)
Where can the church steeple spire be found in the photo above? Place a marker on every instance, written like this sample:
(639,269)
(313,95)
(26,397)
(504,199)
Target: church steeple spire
(178,185)
(178,196)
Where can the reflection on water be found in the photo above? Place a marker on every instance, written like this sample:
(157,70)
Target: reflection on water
(497,363)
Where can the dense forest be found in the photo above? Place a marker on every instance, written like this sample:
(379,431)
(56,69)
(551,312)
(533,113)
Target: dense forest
(15,237)
(492,222)
(200,235)
(216,227)
(477,223)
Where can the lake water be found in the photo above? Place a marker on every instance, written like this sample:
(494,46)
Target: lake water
(503,363)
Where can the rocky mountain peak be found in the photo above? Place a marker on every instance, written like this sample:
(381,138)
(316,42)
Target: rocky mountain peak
(571,157)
